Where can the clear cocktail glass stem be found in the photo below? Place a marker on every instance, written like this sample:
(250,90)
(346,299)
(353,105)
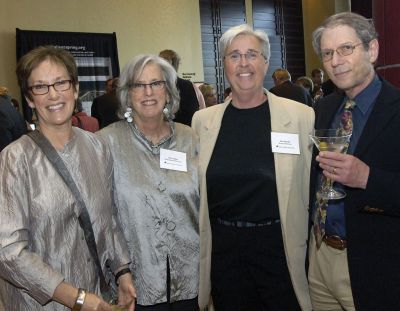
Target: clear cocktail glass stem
(330,140)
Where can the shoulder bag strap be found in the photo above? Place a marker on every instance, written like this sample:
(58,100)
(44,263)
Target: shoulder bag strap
(84,218)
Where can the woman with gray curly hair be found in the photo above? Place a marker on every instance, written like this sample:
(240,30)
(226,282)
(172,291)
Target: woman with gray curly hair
(157,186)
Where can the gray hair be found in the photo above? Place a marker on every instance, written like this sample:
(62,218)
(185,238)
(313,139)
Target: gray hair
(131,73)
(363,27)
(244,29)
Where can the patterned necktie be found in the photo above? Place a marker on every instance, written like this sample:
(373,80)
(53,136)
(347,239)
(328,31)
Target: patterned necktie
(346,127)
(346,121)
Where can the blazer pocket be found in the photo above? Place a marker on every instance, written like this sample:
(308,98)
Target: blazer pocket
(371,210)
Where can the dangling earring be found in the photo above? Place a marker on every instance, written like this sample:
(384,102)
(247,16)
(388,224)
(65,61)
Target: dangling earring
(128,115)
(166,111)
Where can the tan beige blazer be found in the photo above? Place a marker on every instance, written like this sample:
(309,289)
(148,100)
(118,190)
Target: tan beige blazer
(292,179)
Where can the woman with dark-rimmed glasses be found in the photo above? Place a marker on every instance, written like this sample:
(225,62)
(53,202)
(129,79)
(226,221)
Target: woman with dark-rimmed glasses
(45,259)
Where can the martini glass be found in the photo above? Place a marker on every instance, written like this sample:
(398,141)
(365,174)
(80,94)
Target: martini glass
(330,140)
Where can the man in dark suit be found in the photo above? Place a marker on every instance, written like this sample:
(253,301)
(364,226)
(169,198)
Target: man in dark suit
(357,265)
(189,103)
(105,107)
(12,125)
(285,88)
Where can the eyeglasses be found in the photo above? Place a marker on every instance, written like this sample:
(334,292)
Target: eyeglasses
(343,50)
(155,86)
(250,56)
(42,89)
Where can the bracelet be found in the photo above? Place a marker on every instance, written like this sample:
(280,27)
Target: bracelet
(120,273)
(79,300)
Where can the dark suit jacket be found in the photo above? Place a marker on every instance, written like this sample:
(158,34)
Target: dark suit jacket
(189,103)
(12,125)
(372,215)
(293,91)
(104,109)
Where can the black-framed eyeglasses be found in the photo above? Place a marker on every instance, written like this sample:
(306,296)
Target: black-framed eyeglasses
(59,86)
(155,86)
(343,50)
(250,56)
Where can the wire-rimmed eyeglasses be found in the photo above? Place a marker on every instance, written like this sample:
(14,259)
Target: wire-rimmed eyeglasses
(250,56)
(343,50)
(59,86)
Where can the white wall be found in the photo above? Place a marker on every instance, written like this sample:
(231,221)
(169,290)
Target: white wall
(142,26)
(314,13)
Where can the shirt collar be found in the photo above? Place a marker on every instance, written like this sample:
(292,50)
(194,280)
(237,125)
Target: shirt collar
(366,98)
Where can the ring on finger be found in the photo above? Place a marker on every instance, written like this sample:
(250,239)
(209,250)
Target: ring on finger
(334,171)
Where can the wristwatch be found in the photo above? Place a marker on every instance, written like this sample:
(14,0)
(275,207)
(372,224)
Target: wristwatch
(79,300)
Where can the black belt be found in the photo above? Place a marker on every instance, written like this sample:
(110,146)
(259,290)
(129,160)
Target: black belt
(245,224)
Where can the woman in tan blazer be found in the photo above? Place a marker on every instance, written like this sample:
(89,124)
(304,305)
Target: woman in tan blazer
(254,166)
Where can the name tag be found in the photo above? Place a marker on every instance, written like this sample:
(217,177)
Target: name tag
(173,160)
(285,143)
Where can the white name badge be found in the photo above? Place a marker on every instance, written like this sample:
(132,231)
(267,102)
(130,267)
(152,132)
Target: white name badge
(285,143)
(173,160)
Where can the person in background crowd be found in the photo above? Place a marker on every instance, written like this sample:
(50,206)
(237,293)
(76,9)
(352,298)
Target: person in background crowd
(355,251)
(105,107)
(82,120)
(12,125)
(45,262)
(3,91)
(284,87)
(328,87)
(15,103)
(189,97)
(254,198)
(308,84)
(305,82)
(109,85)
(209,94)
(317,76)
(157,186)
(227,93)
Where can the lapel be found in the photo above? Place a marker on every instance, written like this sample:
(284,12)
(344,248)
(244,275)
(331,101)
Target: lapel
(210,132)
(382,112)
(284,163)
(324,114)
(326,110)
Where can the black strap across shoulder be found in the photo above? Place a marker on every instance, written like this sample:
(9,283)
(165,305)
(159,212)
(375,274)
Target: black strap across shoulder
(84,218)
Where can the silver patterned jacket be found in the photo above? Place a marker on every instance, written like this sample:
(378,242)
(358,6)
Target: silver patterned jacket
(41,241)
(158,209)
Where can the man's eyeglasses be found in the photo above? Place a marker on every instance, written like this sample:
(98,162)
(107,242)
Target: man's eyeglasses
(155,86)
(343,50)
(250,56)
(59,86)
